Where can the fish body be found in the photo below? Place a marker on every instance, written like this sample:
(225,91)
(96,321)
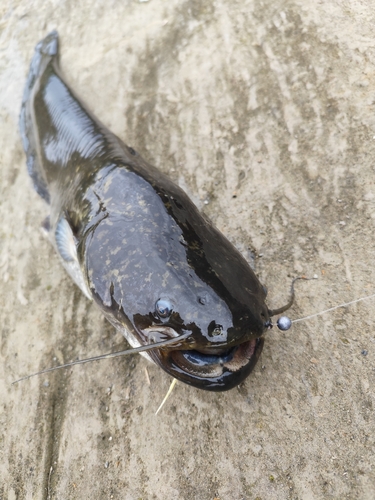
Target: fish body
(135,243)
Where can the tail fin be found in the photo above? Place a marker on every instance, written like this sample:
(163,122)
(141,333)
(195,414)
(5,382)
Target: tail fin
(45,52)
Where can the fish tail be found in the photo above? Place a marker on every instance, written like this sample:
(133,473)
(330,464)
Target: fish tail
(46,51)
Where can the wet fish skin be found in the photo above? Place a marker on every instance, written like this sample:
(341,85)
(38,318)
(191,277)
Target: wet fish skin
(129,237)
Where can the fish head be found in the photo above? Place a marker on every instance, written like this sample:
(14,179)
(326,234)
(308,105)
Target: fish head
(157,299)
(226,335)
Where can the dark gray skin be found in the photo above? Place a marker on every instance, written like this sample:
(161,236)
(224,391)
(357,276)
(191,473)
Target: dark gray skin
(135,243)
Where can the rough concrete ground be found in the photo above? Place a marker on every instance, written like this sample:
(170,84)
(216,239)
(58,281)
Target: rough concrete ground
(265,110)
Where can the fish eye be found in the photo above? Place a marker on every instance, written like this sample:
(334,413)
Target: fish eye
(163,308)
(202,300)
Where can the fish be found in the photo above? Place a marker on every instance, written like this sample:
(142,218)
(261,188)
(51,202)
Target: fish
(134,242)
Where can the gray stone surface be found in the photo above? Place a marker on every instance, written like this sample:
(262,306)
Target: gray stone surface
(265,109)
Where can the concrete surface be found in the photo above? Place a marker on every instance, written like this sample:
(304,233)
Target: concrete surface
(265,110)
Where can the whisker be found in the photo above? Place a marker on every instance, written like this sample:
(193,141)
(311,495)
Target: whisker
(167,395)
(110,355)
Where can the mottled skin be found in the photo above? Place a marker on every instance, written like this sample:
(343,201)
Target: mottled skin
(137,238)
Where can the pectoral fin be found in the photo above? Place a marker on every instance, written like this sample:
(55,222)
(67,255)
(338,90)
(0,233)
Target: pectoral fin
(66,246)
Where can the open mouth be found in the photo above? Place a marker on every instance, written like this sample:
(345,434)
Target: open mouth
(208,364)
(210,368)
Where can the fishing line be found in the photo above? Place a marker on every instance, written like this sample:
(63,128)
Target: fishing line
(334,308)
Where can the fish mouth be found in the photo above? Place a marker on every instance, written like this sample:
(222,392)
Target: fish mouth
(210,368)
